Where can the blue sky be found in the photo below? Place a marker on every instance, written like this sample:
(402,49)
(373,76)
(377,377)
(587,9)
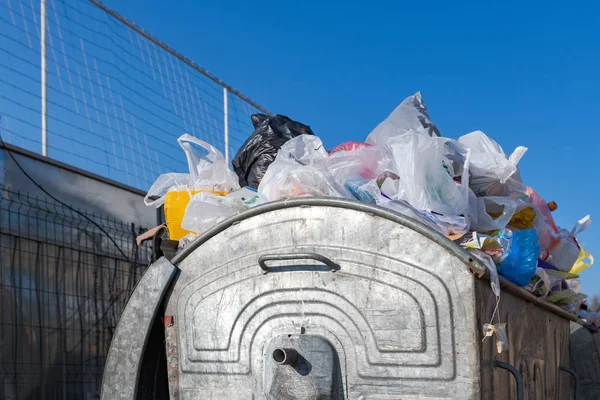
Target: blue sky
(525,74)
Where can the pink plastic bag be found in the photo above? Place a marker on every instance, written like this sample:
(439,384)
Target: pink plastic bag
(544,224)
(352,160)
(350,146)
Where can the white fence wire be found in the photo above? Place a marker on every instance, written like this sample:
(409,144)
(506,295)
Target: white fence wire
(117,98)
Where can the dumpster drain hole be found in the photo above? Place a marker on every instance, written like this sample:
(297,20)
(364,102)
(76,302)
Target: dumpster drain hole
(278,356)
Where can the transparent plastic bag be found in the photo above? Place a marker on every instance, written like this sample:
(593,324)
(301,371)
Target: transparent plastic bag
(207,168)
(520,264)
(300,169)
(410,116)
(489,264)
(354,160)
(426,175)
(566,296)
(543,285)
(492,172)
(157,192)
(488,244)
(205,209)
(363,190)
(446,225)
(544,222)
(566,253)
(360,167)
(481,207)
(549,280)
(499,330)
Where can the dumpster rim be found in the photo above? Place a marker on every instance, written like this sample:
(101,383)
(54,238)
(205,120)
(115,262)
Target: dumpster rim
(474,265)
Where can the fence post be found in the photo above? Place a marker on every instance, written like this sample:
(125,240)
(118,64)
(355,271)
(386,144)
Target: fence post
(226,124)
(44,73)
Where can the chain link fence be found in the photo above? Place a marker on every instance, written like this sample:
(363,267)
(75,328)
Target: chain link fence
(66,277)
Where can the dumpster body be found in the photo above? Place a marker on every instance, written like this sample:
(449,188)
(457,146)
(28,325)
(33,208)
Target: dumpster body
(331,299)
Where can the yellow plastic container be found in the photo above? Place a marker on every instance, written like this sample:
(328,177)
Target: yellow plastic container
(176,202)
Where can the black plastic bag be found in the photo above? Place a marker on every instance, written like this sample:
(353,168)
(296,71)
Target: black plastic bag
(260,149)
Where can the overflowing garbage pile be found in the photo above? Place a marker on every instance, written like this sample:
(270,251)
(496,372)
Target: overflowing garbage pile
(468,189)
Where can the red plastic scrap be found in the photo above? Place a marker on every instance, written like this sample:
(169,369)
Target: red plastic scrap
(350,146)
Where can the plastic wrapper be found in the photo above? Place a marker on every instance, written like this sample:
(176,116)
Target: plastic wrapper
(566,296)
(260,149)
(300,169)
(410,116)
(449,225)
(542,284)
(205,209)
(207,168)
(548,281)
(492,172)
(583,262)
(485,243)
(446,225)
(499,330)
(566,253)
(489,264)
(520,264)
(426,175)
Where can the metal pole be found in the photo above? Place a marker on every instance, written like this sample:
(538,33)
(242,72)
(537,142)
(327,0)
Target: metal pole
(226,124)
(44,72)
(189,62)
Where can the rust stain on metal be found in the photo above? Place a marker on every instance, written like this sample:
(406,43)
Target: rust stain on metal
(172,356)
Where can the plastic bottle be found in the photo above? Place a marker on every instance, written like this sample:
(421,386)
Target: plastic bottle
(504,239)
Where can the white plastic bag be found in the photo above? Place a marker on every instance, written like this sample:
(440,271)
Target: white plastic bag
(565,254)
(360,169)
(157,192)
(410,115)
(300,169)
(426,174)
(402,207)
(492,172)
(208,169)
(363,163)
(446,225)
(205,209)
(489,264)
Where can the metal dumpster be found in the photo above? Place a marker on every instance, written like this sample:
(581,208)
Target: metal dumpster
(331,299)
